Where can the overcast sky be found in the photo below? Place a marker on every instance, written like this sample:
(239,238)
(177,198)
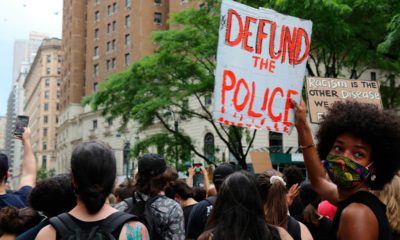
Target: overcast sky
(17,19)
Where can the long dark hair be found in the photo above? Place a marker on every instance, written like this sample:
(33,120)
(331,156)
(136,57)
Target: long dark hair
(273,196)
(238,213)
(94,171)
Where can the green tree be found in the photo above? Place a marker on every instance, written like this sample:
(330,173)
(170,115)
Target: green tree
(42,173)
(159,88)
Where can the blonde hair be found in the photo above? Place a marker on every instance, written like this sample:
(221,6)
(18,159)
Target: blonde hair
(390,195)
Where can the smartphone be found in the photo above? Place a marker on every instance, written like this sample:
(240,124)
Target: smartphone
(197,168)
(22,121)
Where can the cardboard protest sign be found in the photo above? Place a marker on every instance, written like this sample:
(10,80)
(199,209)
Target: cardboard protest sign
(261,161)
(261,64)
(322,92)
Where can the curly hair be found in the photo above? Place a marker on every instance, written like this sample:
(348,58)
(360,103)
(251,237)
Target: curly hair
(53,195)
(16,221)
(379,128)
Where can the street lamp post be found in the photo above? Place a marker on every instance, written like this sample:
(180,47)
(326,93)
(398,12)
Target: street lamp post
(127,148)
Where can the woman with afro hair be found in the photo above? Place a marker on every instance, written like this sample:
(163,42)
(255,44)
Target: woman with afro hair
(359,148)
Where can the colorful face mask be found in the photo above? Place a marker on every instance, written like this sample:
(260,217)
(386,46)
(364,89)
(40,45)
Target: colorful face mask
(344,172)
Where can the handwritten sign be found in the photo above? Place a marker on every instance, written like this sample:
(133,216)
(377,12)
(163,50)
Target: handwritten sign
(322,92)
(261,63)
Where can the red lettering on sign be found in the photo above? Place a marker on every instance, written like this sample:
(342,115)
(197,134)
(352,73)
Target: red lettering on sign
(275,118)
(247,34)
(226,87)
(238,39)
(240,107)
(301,33)
(261,35)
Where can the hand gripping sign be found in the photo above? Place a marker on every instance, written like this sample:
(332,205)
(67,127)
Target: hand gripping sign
(261,64)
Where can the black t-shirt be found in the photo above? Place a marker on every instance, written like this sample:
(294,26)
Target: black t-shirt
(186,213)
(376,206)
(198,217)
(322,230)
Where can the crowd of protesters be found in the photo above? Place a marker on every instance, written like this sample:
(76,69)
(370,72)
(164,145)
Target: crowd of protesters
(352,191)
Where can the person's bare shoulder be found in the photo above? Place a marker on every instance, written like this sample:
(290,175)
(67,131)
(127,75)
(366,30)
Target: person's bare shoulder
(284,234)
(134,230)
(305,233)
(46,233)
(358,220)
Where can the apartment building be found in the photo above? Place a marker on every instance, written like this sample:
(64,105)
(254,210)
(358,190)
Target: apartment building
(42,92)
(102,37)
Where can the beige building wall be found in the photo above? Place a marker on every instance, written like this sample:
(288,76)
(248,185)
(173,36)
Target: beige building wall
(42,91)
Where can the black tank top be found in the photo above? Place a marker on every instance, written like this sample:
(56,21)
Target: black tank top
(89,225)
(376,206)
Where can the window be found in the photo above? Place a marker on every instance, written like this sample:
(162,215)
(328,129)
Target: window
(44,132)
(96,33)
(158,2)
(96,69)
(108,62)
(114,26)
(127,21)
(373,76)
(58,93)
(208,100)
(109,10)
(127,40)
(209,146)
(114,7)
(58,82)
(96,51)
(113,44)
(108,46)
(113,63)
(44,161)
(127,3)
(275,142)
(48,58)
(202,6)
(56,119)
(57,106)
(44,145)
(46,94)
(127,58)
(108,27)
(95,86)
(46,107)
(157,18)
(97,2)
(59,58)
(110,122)
(94,124)
(97,16)
(45,119)
(58,71)
(47,82)
(48,71)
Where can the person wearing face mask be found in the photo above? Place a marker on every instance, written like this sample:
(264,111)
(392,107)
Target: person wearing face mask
(359,146)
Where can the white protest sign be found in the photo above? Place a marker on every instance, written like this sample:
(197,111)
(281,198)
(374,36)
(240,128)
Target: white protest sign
(323,92)
(261,64)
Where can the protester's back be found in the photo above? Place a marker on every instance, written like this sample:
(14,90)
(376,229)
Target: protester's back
(152,178)
(93,169)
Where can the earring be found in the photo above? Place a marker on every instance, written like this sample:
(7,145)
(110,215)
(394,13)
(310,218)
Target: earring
(373,177)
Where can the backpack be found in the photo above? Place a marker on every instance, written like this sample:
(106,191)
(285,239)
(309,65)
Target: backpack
(142,209)
(68,229)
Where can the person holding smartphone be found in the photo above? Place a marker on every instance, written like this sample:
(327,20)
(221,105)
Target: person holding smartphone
(28,174)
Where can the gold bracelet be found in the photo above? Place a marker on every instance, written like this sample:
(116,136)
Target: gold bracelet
(308,146)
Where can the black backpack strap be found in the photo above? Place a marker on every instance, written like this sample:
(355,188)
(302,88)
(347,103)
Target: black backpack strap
(294,228)
(116,220)
(64,225)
